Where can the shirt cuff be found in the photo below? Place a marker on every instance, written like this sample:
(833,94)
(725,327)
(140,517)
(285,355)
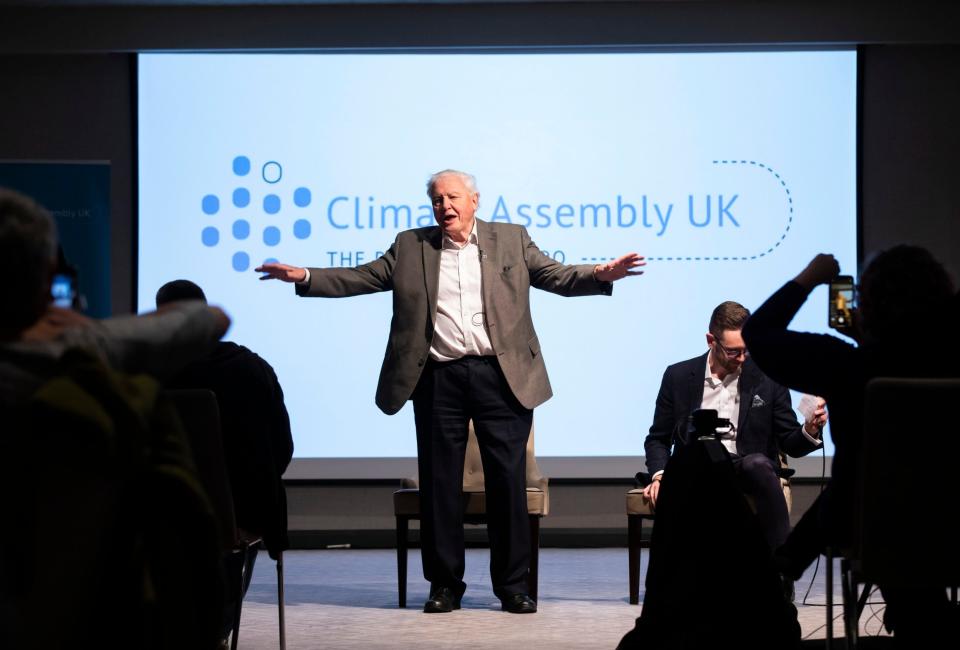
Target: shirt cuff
(306,280)
(816,441)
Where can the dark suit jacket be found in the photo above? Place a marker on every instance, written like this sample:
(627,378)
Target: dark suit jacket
(510,264)
(767,423)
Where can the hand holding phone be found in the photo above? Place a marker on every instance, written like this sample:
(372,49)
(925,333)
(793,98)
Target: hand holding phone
(64,290)
(842,303)
(821,270)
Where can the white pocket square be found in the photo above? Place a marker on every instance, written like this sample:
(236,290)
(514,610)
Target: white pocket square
(757,402)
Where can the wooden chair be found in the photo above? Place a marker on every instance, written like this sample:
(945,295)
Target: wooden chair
(639,509)
(406,505)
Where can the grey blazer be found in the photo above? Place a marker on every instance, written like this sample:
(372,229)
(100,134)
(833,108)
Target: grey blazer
(510,264)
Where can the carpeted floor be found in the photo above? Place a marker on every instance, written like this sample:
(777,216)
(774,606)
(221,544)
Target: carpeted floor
(348,599)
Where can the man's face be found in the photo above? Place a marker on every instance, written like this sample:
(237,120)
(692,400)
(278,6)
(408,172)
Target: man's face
(454,206)
(728,350)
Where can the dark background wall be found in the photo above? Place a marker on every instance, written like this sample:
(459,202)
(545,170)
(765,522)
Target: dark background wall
(77,107)
(68,80)
(68,76)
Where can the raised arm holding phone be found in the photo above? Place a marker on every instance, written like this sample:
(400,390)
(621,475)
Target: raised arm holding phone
(895,286)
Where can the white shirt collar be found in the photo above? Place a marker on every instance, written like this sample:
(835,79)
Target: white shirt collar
(714,381)
(472,239)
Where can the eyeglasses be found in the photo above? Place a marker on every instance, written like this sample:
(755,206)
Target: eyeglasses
(732,353)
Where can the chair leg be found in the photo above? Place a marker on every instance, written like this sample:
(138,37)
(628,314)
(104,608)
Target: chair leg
(634,536)
(235,634)
(862,602)
(829,578)
(280,602)
(533,578)
(851,612)
(402,525)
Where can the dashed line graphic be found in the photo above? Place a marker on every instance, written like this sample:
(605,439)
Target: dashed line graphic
(727,258)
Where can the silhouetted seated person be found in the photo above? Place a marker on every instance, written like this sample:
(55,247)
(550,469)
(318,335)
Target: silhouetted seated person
(255,427)
(711,581)
(86,453)
(34,333)
(906,325)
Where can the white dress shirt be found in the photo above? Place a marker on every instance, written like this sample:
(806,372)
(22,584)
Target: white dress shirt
(723,395)
(461,325)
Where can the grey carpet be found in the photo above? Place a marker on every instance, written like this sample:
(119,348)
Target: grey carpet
(348,599)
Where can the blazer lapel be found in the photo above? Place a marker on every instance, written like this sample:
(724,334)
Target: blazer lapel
(432,244)
(697,373)
(487,243)
(689,397)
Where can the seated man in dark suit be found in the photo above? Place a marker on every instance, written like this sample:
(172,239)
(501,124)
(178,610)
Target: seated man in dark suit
(763,421)
(257,443)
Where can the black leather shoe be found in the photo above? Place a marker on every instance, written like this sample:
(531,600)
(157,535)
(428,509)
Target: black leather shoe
(442,599)
(518,604)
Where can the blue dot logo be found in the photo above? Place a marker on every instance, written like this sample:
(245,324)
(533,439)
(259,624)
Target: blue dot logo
(272,172)
(301,197)
(241,197)
(241,165)
(241,229)
(247,194)
(271,204)
(210,204)
(241,261)
(210,236)
(301,228)
(271,235)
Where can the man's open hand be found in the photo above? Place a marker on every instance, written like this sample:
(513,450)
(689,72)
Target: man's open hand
(619,268)
(278,271)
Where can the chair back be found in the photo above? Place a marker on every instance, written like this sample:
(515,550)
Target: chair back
(473,465)
(906,502)
(785,482)
(200,415)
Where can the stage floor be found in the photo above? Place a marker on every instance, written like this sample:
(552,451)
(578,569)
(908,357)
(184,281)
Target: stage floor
(342,598)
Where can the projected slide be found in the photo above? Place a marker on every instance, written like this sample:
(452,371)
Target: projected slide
(729,171)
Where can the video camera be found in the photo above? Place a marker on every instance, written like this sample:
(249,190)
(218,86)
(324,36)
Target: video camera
(701,425)
(704,424)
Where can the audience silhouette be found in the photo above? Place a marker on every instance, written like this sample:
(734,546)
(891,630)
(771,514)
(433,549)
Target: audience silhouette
(905,324)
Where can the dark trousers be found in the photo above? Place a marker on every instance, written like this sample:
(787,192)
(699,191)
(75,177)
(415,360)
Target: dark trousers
(760,480)
(448,396)
(809,538)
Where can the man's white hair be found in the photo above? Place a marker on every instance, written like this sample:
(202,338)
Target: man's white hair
(467,179)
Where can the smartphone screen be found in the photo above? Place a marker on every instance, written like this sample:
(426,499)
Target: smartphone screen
(62,290)
(842,302)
